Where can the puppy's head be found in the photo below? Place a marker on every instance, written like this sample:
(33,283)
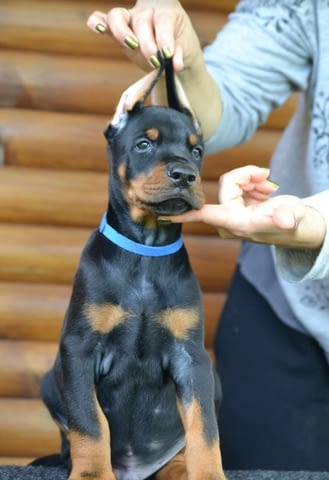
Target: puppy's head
(156,156)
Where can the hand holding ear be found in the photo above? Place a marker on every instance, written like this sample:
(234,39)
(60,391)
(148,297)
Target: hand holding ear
(148,27)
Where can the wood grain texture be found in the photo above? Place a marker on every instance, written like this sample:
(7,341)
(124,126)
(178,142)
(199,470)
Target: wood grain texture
(66,198)
(29,136)
(59,26)
(27,428)
(32,311)
(22,365)
(67,83)
(50,255)
(35,311)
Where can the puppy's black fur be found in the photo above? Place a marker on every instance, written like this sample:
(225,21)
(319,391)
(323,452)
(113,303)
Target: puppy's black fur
(132,388)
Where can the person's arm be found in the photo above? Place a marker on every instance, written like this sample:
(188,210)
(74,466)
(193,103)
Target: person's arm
(298,228)
(246,211)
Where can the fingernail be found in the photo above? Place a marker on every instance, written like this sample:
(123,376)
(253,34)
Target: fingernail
(166,52)
(155,61)
(164,219)
(100,28)
(274,184)
(131,42)
(265,168)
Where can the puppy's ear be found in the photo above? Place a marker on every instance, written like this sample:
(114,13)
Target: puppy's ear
(133,98)
(176,97)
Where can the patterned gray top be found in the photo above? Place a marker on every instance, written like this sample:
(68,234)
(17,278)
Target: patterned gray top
(268,50)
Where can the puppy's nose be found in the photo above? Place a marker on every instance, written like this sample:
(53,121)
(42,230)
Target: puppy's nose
(181,176)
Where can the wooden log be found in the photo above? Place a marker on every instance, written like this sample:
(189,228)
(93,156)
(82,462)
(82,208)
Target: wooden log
(77,84)
(257,151)
(60,26)
(213,260)
(63,83)
(39,313)
(32,311)
(27,428)
(68,198)
(22,365)
(214,303)
(28,137)
(223,5)
(50,255)
(18,461)
(24,362)
(40,254)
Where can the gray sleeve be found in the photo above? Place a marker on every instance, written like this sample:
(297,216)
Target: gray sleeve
(258,59)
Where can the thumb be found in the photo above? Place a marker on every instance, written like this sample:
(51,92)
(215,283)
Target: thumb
(287,217)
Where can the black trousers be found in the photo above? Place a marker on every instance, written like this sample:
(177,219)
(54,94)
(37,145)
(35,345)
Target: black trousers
(275,410)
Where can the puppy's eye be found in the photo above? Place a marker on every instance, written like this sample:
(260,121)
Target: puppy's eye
(143,146)
(197,153)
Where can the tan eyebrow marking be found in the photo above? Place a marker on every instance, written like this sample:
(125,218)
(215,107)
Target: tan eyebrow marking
(153,133)
(193,139)
(122,171)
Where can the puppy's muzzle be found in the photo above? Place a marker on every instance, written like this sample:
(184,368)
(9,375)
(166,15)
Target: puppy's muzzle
(182,176)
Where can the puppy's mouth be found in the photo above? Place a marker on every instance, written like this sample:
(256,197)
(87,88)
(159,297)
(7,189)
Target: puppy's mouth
(172,206)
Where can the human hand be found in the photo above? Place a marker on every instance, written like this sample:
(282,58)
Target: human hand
(246,211)
(148,27)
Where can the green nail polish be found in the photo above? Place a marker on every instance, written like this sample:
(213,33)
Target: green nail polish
(164,219)
(131,43)
(166,52)
(274,184)
(155,61)
(100,28)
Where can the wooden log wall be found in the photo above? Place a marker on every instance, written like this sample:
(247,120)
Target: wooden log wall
(59,84)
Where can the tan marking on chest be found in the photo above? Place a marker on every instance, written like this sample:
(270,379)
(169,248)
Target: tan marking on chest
(103,318)
(179,321)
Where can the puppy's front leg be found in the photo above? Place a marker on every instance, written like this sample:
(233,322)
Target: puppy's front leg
(195,400)
(89,434)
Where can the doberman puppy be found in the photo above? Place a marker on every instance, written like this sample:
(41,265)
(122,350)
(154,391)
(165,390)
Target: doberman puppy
(132,388)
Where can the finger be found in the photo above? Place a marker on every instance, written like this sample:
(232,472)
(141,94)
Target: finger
(164,27)
(235,182)
(118,20)
(215,215)
(97,19)
(178,61)
(142,24)
(191,216)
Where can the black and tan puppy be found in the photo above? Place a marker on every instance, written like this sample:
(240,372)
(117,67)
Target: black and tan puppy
(132,388)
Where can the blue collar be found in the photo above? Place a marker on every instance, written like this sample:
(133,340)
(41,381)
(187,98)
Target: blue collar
(138,248)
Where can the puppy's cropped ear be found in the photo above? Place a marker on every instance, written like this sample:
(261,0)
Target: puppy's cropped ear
(135,94)
(185,104)
(175,94)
